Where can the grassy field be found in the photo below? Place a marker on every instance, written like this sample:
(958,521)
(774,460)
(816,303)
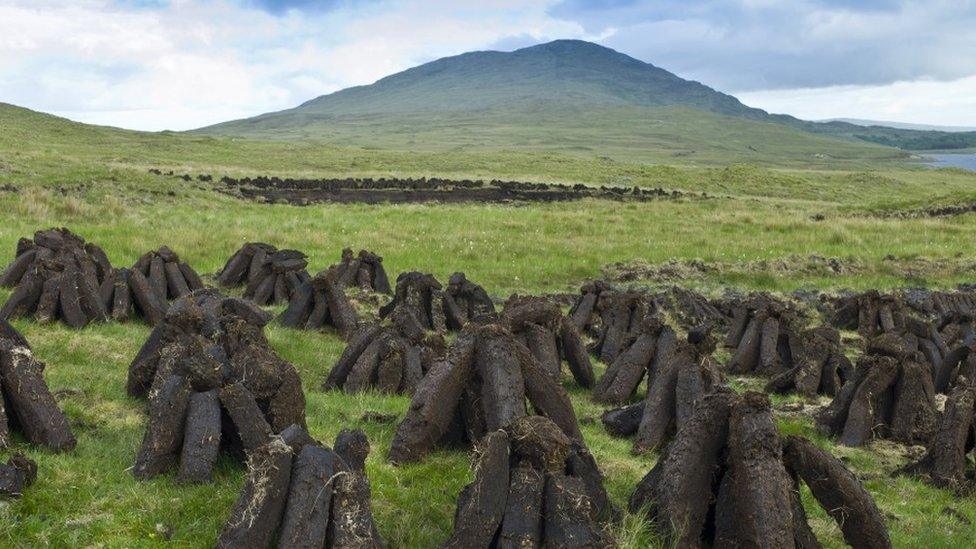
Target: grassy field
(95,181)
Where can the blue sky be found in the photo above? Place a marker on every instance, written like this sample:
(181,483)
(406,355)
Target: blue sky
(179,64)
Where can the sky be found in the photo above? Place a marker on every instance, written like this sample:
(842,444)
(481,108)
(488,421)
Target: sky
(182,64)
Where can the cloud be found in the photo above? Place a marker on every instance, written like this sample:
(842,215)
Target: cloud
(180,64)
(745,45)
(951,103)
(187,63)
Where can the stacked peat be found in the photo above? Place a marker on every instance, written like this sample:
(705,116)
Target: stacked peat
(622,317)
(947,348)
(586,310)
(870,313)
(364,271)
(481,386)
(27,404)
(528,491)
(319,303)
(18,473)
(391,356)
(423,297)
(551,337)
(57,276)
(768,340)
(306,493)
(944,463)
(465,301)
(145,289)
(212,381)
(674,387)
(890,395)
(729,480)
(270,275)
(647,352)
(820,366)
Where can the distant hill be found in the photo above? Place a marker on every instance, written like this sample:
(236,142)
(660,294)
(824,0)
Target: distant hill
(551,96)
(902,125)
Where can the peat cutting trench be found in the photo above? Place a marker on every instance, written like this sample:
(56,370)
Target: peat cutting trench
(302,192)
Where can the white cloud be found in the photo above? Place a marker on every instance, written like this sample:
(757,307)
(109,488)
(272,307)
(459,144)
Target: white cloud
(198,62)
(950,103)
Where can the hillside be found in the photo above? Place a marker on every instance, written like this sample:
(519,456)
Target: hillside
(537,96)
(567,96)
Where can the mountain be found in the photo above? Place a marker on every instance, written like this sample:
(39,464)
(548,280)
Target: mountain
(902,125)
(568,96)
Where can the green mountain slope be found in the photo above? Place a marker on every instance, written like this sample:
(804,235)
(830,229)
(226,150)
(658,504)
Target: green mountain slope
(491,96)
(565,96)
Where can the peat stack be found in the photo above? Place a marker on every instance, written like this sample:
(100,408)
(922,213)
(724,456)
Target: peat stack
(391,356)
(948,347)
(820,366)
(303,494)
(767,341)
(550,336)
(319,303)
(674,387)
(528,492)
(465,301)
(18,473)
(890,395)
(480,386)
(423,297)
(27,405)
(646,353)
(57,276)
(944,463)
(730,480)
(212,381)
(146,288)
(586,310)
(691,309)
(621,322)
(364,271)
(270,275)
(871,313)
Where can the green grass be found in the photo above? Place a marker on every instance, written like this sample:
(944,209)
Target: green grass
(95,182)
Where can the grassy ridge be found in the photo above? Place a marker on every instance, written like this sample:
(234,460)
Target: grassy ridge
(95,182)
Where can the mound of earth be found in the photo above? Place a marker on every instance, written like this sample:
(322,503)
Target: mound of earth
(871,313)
(213,382)
(270,276)
(730,480)
(304,494)
(57,276)
(319,303)
(533,487)
(18,473)
(820,366)
(481,386)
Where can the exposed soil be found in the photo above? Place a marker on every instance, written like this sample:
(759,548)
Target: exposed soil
(302,192)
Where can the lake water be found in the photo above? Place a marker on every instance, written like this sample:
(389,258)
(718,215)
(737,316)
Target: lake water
(964,161)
